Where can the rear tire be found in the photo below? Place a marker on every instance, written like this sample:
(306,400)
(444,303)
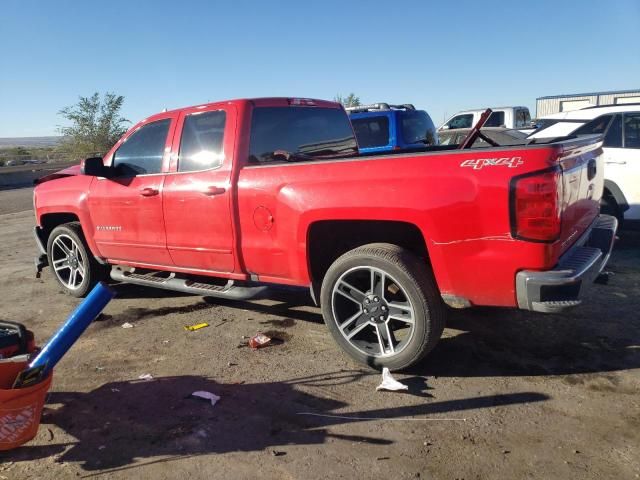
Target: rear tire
(382,306)
(73,265)
(609,206)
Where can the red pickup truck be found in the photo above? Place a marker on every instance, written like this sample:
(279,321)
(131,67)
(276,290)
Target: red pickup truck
(225,198)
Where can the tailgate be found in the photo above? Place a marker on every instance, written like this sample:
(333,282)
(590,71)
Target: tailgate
(582,185)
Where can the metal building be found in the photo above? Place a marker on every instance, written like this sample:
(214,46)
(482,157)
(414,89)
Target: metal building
(563,103)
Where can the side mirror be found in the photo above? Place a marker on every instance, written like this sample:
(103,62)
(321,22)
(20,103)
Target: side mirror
(94,167)
(444,127)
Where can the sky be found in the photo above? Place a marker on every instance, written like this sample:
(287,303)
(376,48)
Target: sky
(441,56)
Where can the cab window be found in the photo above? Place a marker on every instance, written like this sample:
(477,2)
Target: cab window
(201,141)
(142,152)
(496,119)
(613,138)
(300,133)
(371,131)
(632,130)
(461,121)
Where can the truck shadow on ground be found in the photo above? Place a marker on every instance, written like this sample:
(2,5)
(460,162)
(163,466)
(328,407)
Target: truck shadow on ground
(120,423)
(601,336)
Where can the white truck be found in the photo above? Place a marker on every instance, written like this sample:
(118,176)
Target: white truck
(508,117)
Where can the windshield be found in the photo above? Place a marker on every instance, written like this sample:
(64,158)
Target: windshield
(310,132)
(417,127)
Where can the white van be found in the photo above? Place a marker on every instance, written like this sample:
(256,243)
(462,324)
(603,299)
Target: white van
(620,125)
(509,117)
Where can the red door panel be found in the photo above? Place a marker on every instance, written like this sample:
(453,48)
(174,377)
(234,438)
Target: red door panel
(197,193)
(198,221)
(128,217)
(126,209)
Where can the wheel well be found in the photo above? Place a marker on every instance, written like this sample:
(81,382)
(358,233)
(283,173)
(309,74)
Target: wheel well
(49,221)
(613,191)
(327,240)
(607,193)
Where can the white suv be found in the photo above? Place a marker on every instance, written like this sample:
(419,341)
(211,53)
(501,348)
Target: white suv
(620,125)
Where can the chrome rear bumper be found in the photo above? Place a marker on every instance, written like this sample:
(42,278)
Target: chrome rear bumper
(562,287)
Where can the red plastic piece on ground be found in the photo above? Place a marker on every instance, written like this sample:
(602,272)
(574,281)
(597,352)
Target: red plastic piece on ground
(259,340)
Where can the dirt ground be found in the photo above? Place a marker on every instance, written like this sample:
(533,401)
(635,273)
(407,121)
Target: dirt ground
(505,394)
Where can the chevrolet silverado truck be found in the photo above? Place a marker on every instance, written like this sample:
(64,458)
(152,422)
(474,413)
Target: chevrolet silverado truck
(224,199)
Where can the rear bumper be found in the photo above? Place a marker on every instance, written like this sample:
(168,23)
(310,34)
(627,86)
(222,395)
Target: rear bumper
(562,287)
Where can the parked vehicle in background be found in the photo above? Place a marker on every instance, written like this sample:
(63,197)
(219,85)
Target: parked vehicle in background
(381,127)
(225,198)
(506,117)
(14,163)
(620,126)
(501,136)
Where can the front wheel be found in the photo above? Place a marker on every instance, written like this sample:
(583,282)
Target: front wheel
(382,306)
(73,264)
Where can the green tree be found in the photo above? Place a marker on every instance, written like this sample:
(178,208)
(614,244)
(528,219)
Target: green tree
(350,100)
(95,125)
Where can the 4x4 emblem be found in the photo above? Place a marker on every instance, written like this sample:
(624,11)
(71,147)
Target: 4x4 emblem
(477,164)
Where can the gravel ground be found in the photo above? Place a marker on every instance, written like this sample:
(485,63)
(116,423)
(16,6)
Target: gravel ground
(505,394)
(17,200)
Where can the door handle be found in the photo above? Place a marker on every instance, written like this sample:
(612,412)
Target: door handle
(212,190)
(149,192)
(612,162)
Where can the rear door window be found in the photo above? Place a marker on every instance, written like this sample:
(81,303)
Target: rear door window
(632,130)
(142,152)
(496,119)
(201,141)
(301,133)
(461,121)
(613,138)
(371,131)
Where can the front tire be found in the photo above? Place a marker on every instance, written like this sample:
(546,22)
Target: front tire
(73,264)
(382,306)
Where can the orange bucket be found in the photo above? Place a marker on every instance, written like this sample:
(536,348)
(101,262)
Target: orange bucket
(20,408)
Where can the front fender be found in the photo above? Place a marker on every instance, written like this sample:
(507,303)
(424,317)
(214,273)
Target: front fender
(66,195)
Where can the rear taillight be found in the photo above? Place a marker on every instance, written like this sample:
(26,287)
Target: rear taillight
(535,203)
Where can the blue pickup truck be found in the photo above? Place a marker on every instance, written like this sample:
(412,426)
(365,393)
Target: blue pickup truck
(381,127)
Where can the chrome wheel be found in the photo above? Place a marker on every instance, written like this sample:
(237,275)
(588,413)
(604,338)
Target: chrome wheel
(372,311)
(68,262)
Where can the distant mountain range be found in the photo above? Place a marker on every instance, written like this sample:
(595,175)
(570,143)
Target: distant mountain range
(8,142)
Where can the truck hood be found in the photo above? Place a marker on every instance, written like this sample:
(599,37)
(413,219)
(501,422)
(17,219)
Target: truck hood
(67,172)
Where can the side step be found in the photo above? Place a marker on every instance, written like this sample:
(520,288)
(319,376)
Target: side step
(556,306)
(169,281)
